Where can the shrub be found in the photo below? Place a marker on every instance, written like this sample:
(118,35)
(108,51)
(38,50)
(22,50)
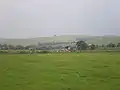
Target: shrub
(23,52)
(3,51)
(43,52)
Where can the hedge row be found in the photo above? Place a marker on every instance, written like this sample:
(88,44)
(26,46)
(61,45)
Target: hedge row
(21,52)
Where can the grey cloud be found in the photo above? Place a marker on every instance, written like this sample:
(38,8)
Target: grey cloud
(34,18)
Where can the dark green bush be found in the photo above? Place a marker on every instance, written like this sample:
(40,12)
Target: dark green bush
(43,52)
(3,52)
(23,52)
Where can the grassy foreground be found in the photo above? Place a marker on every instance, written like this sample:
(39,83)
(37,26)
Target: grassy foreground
(73,71)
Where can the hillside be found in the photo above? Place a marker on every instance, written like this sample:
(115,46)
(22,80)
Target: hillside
(63,38)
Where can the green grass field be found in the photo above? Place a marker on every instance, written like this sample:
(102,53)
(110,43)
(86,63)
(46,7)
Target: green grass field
(70,71)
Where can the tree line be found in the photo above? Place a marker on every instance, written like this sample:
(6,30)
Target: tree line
(82,45)
(79,45)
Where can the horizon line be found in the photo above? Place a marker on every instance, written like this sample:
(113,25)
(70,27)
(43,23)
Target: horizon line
(58,36)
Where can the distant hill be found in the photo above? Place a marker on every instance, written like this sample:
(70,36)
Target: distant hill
(63,38)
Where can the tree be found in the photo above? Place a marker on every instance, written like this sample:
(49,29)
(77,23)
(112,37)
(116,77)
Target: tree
(92,46)
(118,45)
(67,47)
(103,46)
(29,46)
(0,46)
(11,47)
(96,46)
(19,47)
(4,47)
(81,45)
(111,45)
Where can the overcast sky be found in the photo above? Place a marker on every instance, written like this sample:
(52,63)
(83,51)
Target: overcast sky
(36,18)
